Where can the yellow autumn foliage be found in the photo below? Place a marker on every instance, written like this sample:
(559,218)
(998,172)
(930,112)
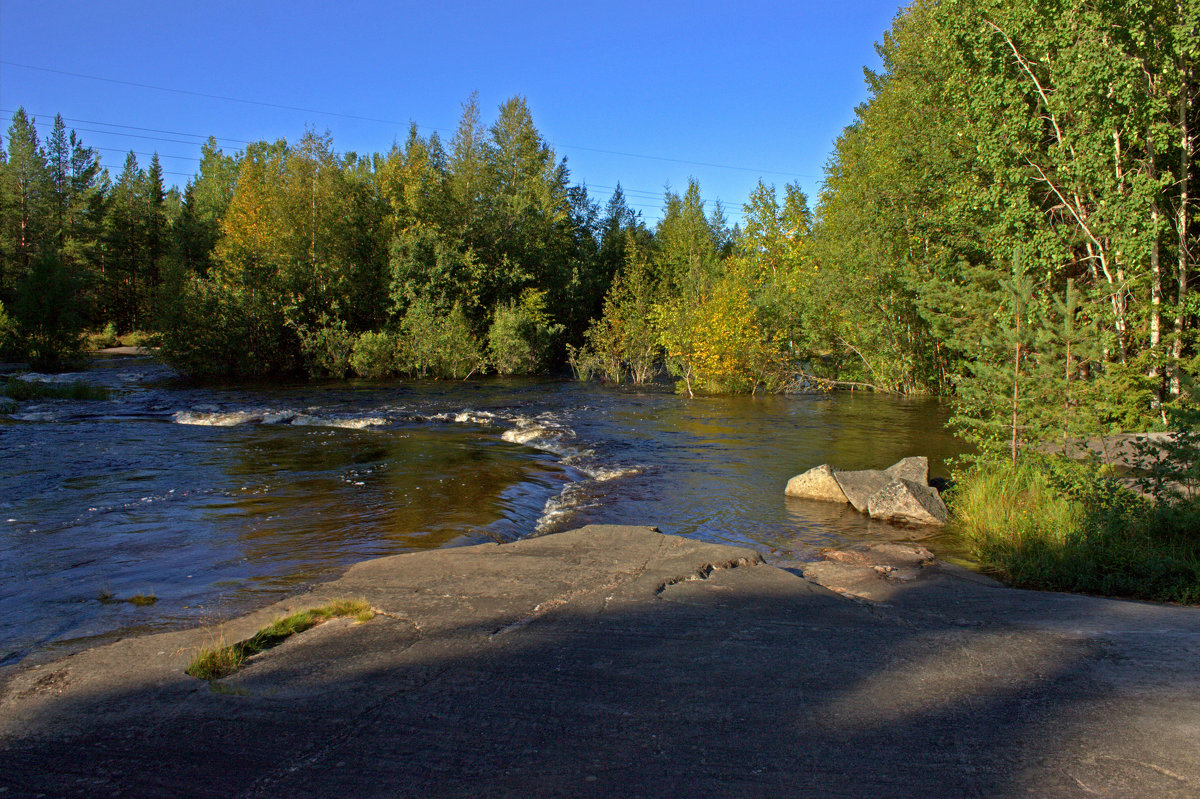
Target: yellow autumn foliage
(716,344)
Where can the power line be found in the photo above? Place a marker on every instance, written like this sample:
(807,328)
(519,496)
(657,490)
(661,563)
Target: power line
(630,194)
(148,155)
(136,136)
(284,107)
(131,127)
(199,94)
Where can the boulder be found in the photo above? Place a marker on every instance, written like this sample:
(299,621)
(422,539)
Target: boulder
(907,501)
(915,469)
(859,487)
(817,483)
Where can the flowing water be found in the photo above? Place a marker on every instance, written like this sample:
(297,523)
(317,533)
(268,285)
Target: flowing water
(218,500)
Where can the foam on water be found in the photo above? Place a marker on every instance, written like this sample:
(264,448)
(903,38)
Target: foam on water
(208,417)
(547,432)
(64,377)
(466,416)
(218,419)
(39,416)
(350,423)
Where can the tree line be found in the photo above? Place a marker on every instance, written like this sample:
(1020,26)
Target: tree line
(435,259)
(1013,212)
(1010,220)
(75,246)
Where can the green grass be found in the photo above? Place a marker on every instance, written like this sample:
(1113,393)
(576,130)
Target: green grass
(221,659)
(1056,525)
(21,390)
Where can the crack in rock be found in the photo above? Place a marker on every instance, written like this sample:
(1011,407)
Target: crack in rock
(703,572)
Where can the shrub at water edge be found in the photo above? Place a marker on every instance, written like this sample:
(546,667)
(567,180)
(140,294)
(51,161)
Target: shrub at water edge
(1054,524)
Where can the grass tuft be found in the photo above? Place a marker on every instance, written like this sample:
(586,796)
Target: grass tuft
(1057,525)
(221,659)
(142,600)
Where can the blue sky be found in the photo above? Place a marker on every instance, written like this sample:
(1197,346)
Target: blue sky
(648,94)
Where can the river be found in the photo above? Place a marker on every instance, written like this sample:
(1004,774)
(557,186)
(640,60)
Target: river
(219,500)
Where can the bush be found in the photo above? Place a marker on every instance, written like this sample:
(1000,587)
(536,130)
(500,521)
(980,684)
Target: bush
(624,342)
(714,343)
(1170,466)
(376,355)
(105,338)
(521,338)
(326,348)
(437,344)
(212,331)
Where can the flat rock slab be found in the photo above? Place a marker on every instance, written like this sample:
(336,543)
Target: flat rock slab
(818,483)
(860,486)
(616,661)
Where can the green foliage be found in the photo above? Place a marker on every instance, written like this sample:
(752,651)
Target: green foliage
(213,332)
(140,338)
(376,355)
(105,338)
(995,127)
(1059,525)
(714,342)
(326,347)
(1169,464)
(623,343)
(47,312)
(687,244)
(436,344)
(8,333)
(521,336)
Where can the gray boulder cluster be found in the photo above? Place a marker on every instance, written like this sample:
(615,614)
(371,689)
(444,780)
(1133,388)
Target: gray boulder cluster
(900,493)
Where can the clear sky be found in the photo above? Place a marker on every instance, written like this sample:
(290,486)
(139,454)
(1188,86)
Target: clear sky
(645,93)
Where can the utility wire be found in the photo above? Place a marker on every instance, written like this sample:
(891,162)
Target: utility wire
(148,155)
(631,194)
(130,127)
(387,121)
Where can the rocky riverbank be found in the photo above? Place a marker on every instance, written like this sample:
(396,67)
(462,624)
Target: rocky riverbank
(619,661)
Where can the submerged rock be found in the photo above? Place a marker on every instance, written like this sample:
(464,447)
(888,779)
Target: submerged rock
(907,501)
(818,483)
(862,572)
(860,486)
